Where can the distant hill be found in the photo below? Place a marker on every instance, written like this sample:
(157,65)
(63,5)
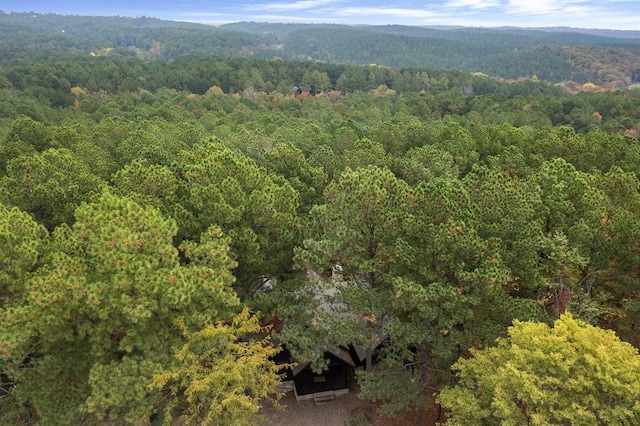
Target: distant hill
(142,36)
(595,31)
(604,57)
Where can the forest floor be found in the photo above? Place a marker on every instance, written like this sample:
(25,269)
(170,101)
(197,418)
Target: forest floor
(307,413)
(345,410)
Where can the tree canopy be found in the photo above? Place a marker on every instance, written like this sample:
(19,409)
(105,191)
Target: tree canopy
(571,373)
(158,210)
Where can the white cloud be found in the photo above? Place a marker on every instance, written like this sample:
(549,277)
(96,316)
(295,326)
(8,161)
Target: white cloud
(543,7)
(473,4)
(394,12)
(202,14)
(290,18)
(298,5)
(620,14)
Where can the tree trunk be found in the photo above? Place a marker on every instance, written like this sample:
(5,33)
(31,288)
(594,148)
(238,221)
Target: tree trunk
(368,409)
(420,404)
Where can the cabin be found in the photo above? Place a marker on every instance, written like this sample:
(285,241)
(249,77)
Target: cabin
(342,361)
(305,384)
(332,382)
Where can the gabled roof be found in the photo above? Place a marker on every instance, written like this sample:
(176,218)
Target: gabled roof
(337,351)
(361,350)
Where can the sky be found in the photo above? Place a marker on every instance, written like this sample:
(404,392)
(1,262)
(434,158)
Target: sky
(615,14)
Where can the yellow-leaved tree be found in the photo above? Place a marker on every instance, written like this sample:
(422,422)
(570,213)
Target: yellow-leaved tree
(571,373)
(93,320)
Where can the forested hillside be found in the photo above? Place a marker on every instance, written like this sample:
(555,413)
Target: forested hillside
(510,53)
(159,211)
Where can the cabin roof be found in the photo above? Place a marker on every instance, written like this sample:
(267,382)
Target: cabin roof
(337,351)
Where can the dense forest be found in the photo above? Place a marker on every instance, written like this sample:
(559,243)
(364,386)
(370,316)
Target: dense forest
(604,58)
(170,191)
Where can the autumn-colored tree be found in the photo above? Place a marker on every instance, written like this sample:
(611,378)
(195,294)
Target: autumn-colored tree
(571,373)
(84,337)
(219,376)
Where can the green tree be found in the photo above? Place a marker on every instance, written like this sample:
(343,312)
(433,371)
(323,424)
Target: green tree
(78,140)
(353,229)
(571,373)
(152,142)
(449,293)
(572,214)
(355,226)
(289,162)
(352,79)
(256,209)
(505,210)
(619,253)
(31,132)
(425,163)
(11,150)
(50,185)
(316,79)
(97,321)
(22,246)
(148,184)
(366,153)
(457,141)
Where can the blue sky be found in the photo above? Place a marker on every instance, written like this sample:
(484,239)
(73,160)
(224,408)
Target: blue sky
(618,14)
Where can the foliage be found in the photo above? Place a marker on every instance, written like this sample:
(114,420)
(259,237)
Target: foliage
(49,185)
(219,378)
(571,373)
(256,210)
(148,199)
(23,243)
(98,314)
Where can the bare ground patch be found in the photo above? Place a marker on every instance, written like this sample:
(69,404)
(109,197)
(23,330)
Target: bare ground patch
(308,413)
